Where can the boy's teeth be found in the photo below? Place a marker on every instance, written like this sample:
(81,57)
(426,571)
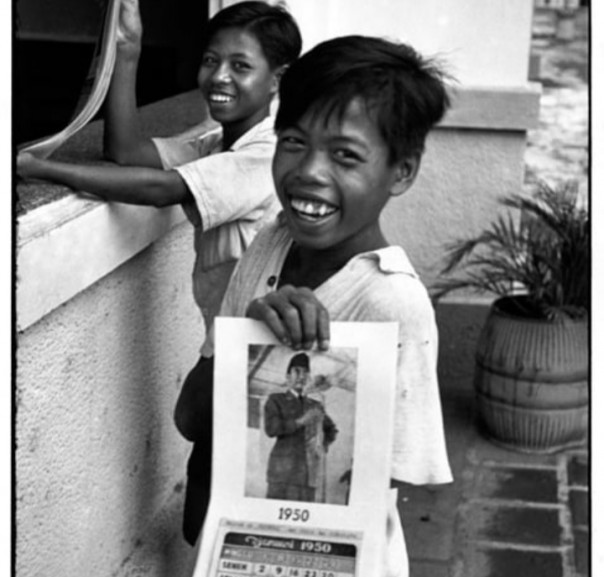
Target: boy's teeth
(312,208)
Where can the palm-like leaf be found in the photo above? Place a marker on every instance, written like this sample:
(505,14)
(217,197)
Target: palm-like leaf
(546,253)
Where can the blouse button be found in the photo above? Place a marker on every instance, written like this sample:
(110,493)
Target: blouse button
(272,280)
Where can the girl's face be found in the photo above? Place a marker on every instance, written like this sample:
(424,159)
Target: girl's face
(333,180)
(236,80)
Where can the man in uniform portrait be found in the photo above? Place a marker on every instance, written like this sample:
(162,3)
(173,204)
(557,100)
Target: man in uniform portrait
(303,432)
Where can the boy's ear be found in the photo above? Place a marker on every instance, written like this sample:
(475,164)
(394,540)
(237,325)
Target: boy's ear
(277,75)
(405,174)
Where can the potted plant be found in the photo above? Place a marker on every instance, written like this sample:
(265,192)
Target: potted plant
(531,376)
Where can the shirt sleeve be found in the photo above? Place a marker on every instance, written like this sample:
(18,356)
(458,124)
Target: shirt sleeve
(420,454)
(419,448)
(187,147)
(231,185)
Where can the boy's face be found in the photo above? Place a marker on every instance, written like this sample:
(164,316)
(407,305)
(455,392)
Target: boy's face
(236,79)
(333,180)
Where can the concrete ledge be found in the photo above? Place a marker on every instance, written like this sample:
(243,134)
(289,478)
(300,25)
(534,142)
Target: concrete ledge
(66,242)
(66,246)
(501,108)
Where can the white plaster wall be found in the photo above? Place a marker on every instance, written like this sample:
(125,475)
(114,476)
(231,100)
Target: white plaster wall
(100,466)
(463,174)
(486,42)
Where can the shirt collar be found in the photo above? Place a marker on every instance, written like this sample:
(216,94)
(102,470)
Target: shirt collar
(263,131)
(392,259)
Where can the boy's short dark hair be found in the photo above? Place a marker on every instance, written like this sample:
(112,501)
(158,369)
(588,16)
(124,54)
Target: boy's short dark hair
(273,26)
(404,93)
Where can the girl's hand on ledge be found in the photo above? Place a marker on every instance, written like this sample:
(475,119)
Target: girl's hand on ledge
(28,166)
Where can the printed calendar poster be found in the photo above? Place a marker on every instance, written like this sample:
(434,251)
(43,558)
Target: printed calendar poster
(301,457)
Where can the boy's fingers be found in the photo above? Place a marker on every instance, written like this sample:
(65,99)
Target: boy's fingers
(284,302)
(323,335)
(280,315)
(307,305)
(295,316)
(261,310)
(314,318)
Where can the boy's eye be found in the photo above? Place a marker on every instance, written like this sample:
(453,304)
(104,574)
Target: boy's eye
(290,142)
(347,156)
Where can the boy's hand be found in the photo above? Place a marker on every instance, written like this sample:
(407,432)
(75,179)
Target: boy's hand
(129,30)
(295,316)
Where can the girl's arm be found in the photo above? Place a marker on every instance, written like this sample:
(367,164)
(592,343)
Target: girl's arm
(128,184)
(124,141)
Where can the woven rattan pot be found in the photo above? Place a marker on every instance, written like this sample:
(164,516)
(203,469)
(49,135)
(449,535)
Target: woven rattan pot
(531,381)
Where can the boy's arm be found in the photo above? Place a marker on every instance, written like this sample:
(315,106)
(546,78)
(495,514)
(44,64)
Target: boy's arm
(124,141)
(295,315)
(128,184)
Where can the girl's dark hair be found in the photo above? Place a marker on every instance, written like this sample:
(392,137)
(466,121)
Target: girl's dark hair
(273,27)
(403,92)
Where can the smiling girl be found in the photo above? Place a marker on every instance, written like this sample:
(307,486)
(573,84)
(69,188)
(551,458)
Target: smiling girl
(222,178)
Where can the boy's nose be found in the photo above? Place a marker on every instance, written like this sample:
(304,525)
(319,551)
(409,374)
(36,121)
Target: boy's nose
(313,167)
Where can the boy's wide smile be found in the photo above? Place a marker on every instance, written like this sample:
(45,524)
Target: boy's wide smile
(333,178)
(312,210)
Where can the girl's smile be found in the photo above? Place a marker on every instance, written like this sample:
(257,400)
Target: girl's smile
(236,81)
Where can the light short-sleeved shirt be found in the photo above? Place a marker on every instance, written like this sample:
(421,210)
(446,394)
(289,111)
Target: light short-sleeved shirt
(374,286)
(233,191)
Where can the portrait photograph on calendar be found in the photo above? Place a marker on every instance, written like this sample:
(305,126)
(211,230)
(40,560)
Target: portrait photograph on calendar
(300,424)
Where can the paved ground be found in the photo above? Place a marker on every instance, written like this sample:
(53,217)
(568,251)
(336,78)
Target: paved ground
(510,514)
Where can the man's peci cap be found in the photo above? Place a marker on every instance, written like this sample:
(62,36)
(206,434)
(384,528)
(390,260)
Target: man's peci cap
(300,360)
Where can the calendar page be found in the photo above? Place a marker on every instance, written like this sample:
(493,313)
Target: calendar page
(276,550)
(301,456)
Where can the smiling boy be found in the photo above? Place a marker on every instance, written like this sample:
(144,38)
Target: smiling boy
(352,123)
